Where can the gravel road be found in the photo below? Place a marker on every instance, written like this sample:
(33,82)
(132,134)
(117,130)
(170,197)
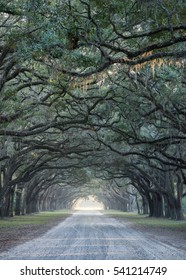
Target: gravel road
(93,236)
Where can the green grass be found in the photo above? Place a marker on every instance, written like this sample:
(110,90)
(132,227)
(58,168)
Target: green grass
(147,221)
(34,219)
(46,217)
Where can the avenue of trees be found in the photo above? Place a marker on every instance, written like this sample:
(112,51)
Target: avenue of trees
(93,102)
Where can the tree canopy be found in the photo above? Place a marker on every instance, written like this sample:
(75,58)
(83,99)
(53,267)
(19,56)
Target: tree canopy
(93,102)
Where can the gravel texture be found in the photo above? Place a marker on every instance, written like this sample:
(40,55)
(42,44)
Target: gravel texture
(92,236)
(172,237)
(13,236)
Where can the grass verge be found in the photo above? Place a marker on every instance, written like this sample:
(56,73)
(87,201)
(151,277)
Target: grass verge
(147,221)
(41,218)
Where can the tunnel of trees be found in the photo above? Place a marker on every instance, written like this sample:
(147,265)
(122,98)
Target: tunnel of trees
(93,102)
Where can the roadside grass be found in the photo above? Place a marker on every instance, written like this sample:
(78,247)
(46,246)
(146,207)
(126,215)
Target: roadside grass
(147,221)
(40,218)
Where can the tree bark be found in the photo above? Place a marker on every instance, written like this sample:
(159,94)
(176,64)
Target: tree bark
(18,202)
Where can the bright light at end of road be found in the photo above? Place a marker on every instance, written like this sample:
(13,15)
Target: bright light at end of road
(89,203)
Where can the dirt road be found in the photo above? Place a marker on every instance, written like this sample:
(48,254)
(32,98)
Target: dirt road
(93,236)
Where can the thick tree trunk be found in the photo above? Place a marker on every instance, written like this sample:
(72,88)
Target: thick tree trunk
(179,210)
(145,207)
(167,213)
(172,207)
(2,214)
(159,205)
(8,203)
(137,204)
(150,203)
(23,206)
(11,207)
(18,202)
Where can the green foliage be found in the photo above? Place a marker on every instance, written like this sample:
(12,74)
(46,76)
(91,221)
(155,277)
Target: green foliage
(84,78)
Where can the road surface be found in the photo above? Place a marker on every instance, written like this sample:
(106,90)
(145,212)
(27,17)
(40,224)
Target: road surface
(93,236)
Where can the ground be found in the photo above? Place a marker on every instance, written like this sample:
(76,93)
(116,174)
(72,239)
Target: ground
(173,237)
(10,237)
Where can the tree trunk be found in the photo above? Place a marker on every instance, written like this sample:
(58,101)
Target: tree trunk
(11,207)
(145,205)
(18,202)
(179,210)
(167,213)
(7,203)
(172,207)
(150,203)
